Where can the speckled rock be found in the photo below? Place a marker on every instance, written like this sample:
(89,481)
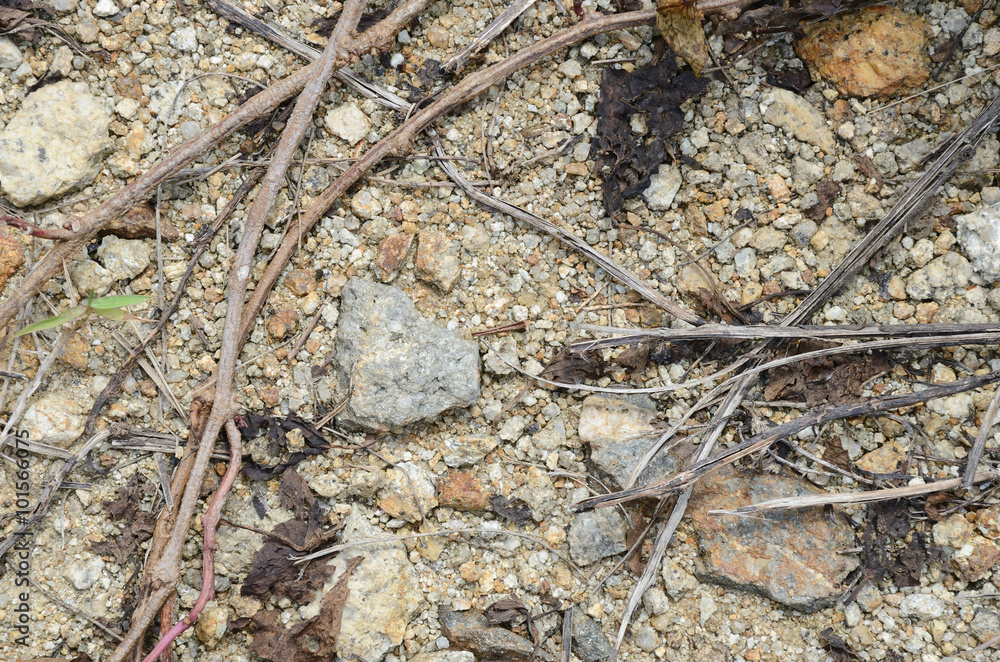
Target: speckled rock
(975,558)
(391,253)
(461,490)
(348,122)
(54,144)
(468,630)
(437,260)
(384,593)
(11,255)
(800,118)
(596,534)
(445,656)
(979,236)
(124,258)
(941,278)
(922,607)
(878,51)
(467,450)
(589,642)
(501,356)
(404,368)
(10,54)
(211,625)
(619,432)
(56,418)
(792,557)
(408,492)
(89,276)
(663,187)
(84,574)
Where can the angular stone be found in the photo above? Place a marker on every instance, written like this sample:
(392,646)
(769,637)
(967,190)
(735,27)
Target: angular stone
(879,51)
(384,593)
(348,122)
(54,144)
(391,253)
(300,282)
(124,258)
(920,606)
(800,118)
(620,431)
(467,450)
(791,556)
(404,368)
(11,256)
(501,356)
(590,644)
(55,418)
(445,656)
(437,260)
(461,490)
(663,187)
(407,492)
(941,278)
(90,276)
(596,534)
(979,236)
(975,558)
(468,630)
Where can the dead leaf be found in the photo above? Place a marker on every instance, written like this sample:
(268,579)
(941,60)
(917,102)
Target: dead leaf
(506,610)
(295,495)
(138,524)
(826,191)
(910,562)
(680,26)
(837,647)
(625,160)
(250,426)
(796,80)
(636,564)
(868,169)
(314,640)
(833,380)
(515,511)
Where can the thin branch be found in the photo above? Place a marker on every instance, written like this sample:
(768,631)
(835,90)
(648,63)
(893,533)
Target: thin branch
(455,63)
(976,454)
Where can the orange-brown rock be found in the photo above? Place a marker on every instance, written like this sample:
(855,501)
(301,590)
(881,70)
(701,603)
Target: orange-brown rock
(300,282)
(282,323)
(879,51)
(391,253)
(11,255)
(461,490)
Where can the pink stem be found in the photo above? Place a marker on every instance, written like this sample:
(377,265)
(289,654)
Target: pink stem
(56,234)
(209,523)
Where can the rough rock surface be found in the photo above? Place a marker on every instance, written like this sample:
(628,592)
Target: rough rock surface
(466,450)
(124,258)
(437,260)
(596,534)
(404,368)
(469,630)
(348,122)
(878,51)
(800,118)
(663,187)
(979,236)
(384,593)
(55,143)
(619,431)
(11,256)
(55,418)
(589,642)
(792,557)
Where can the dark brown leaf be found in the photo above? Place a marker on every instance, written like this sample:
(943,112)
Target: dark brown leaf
(250,426)
(837,647)
(507,610)
(515,511)
(868,169)
(830,379)
(636,564)
(910,562)
(796,80)
(574,367)
(625,160)
(634,359)
(138,524)
(295,495)
(273,573)
(826,191)
(314,640)
(680,26)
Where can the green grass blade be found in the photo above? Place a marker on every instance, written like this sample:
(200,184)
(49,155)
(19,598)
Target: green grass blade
(52,322)
(120,301)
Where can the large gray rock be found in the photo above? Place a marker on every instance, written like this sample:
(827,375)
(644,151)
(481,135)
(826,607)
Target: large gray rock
(384,593)
(979,235)
(54,144)
(404,368)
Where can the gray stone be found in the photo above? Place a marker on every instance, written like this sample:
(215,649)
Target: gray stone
(663,186)
(84,574)
(589,642)
(10,54)
(979,236)
(596,534)
(985,624)
(348,122)
(384,593)
(797,116)
(469,630)
(676,580)
(941,278)
(184,39)
(407,492)
(920,606)
(89,277)
(445,656)
(467,450)
(619,431)
(646,639)
(506,349)
(124,258)
(54,144)
(792,556)
(404,368)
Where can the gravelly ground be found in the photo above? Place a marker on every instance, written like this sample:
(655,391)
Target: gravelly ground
(508,274)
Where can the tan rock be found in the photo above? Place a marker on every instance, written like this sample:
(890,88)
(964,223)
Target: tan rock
(391,253)
(880,51)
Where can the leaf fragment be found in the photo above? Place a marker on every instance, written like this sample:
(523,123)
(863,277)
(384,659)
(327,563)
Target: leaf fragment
(680,25)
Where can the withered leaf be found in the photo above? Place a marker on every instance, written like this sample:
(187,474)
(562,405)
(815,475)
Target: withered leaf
(837,647)
(796,80)
(295,495)
(314,640)
(910,562)
(831,379)
(273,573)
(506,610)
(826,191)
(138,524)
(680,26)
(636,564)
(250,425)
(515,511)
(868,169)
(574,367)
(625,160)
(635,359)
(781,15)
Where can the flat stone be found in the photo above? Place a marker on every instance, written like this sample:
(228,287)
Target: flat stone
(800,118)
(445,656)
(589,641)
(461,490)
(404,368)
(211,624)
(885,459)
(437,260)
(467,450)
(391,253)
(922,607)
(10,54)
(55,418)
(124,258)
(84,574)
(468,630)
(89,276)
(619,431)
(54,144)
(595,535)
(791,556)
(975,558)
(878,51)
(503,355)
(677,581)
(663,187)
(941,278)
(979,236)
(384,593)
(348,122)
(300,282)
(105,8)
(407,493)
